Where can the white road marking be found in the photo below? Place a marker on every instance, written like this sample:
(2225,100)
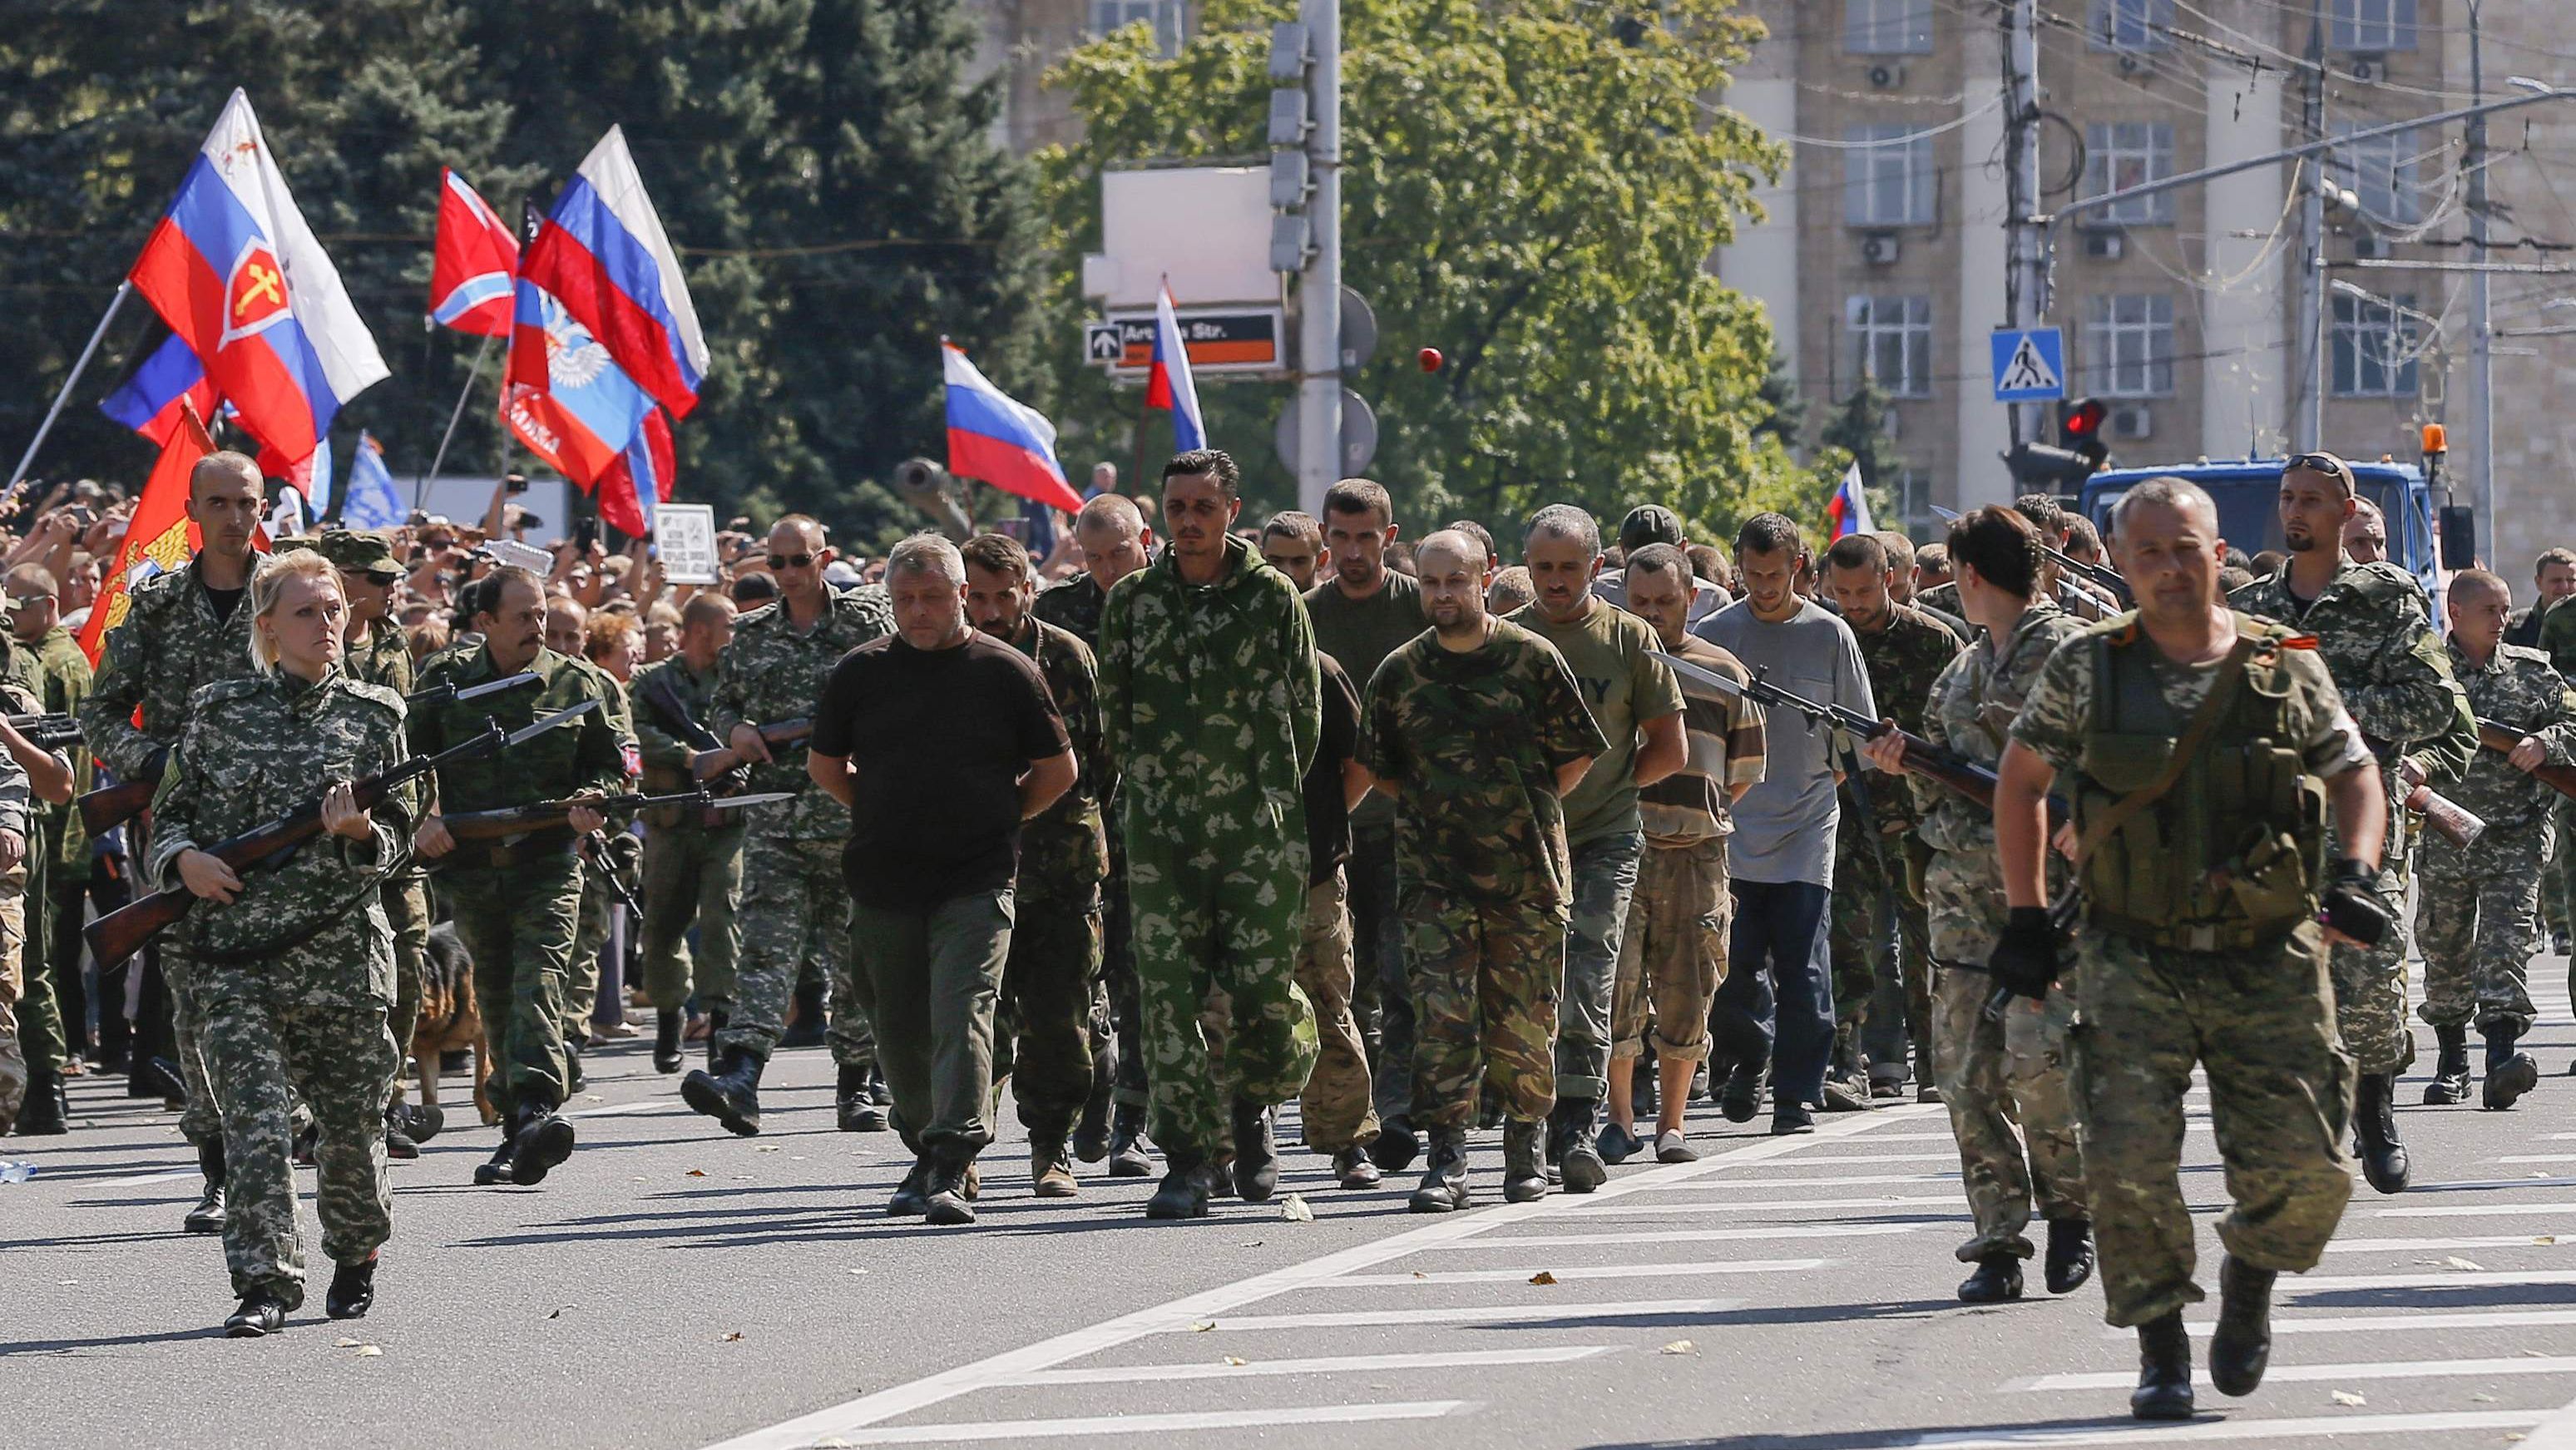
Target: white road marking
(2538,1158)
(2321,1426)
(1121,1374)
(2512,1320)
(1567,1274)
(1865,1158)
(2488,1185)
(1146,1424)
(2344,1373)
(2478,1210)
(1689,1235)
(1837,1181)
(2458,1279)
(620,1109)
(2472,1241)
(1798,1205)
(1534,1311)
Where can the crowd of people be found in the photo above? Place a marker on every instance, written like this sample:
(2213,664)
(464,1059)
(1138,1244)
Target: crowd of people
(1188,819)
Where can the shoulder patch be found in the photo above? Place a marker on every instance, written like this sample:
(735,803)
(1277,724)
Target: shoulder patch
(2299,641)
(2523,652)
(759,616)
(379,695)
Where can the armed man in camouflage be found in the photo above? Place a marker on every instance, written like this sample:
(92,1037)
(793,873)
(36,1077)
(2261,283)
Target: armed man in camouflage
(2375,634)
(294,964)
(2202,748)
(1478,730)
(182,629)
(1054,963)
(2482,905)
(1208,702)
(794,908)
(611,857)
(1995,1073)
(23,1064)
(59,865)
(517,901)
(1879,859)
(692,859)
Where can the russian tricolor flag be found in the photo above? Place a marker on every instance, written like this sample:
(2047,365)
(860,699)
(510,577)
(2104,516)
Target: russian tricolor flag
(233,269)
(1168,384)
(997,438)
(603,255)
(1847,512)
(476,260)
(149,401)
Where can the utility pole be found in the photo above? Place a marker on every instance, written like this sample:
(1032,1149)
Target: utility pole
(2481,347)
(2307,338)
(2025,257)
(1319,287)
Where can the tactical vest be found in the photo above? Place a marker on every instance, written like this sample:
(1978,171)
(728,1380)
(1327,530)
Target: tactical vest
(2227,859)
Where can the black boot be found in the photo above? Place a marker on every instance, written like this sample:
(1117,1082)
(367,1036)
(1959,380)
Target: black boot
(1091,1133)
(502,1167)
(2510,1074)
(574,1078)
(1256,1152)
(1996,1281)
(261,1313)
(399,1145)
(911,1196)
(806,1027)
(1577,1156)
(2242,1344)
(48,1110)
(730,1094)
(1524,1161)
(2164,1370)
(1127,1156)
(667,1022)
(421,1121)
(853,1099)
(1396,1144)
(878,1092)
(1444,1178)
(1353,1168)
(1184,1190)
(2070,1254)
(2450,1082)
(947,1191)
(208,1216)
(2374,1125)
(544,1139)
(717,1020)
(353,1290)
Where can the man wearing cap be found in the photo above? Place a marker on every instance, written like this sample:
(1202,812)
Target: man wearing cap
(45,661)
(2373,626)
(1649,524)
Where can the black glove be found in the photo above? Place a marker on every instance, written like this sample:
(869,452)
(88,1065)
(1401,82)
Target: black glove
(2351,906)
(2025,960)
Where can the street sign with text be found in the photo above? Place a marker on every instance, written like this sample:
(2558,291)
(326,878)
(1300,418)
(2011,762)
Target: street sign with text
(1220,340)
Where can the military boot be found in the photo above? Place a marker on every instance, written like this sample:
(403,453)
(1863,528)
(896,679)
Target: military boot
(421,1121)
(1444,1179)
(912,1196)
(1847,1079)
(1127,1156)
(1996,1281)
(666,1038)
(949,1188)
(1396,1144)
(208,1216)
(730,1094)
(717,1020)
(260,1313)
(2374,1125)
(353,1290)
(2510,1074)
(574,1078)
(2242,1344)
(805,1024)
(544,1140)
(2070,1254)
(399,1145)
(1524,1162)
(2450,1082)
(1353,1168)
(1050,1169)
(1091,1134)
(1183,1192)
(1578,1158)
(854,1101)
(2164,1370)
(48,1110)
(1256,1152)
(502,1167)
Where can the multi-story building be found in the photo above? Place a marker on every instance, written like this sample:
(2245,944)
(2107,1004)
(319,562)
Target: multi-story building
(1023,39)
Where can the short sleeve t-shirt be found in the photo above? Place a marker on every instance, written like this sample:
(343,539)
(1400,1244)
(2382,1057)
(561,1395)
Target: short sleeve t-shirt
(1624,686)
(939,740)
(1784,827)
(1361,633)
(1328,819)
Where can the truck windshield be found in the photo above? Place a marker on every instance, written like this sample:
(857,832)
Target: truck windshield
(2249,514)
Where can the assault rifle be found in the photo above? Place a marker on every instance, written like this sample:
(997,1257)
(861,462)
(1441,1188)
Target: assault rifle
(2503,738)
(520,820)
(2098,576)
(48,732)
(713,763)
(110,806)
(122,932)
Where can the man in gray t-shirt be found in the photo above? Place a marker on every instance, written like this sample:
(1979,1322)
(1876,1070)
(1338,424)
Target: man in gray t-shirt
(1775,1011)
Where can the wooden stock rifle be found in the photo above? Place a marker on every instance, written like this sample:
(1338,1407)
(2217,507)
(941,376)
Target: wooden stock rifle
(713,763)
(546,815)
(2503,738)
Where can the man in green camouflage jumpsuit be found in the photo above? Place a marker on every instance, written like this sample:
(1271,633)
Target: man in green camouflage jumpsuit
(692,859)
(794,907)
(1904,650)
(1478,730)
(1209,704)
(2374,631)
(2481,907)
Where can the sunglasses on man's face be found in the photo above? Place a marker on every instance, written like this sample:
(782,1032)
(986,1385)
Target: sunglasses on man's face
(791,561)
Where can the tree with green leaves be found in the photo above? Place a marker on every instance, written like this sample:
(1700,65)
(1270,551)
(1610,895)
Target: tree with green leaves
(1857,432)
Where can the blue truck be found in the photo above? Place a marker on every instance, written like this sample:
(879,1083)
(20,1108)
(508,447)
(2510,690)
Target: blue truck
(2247,491)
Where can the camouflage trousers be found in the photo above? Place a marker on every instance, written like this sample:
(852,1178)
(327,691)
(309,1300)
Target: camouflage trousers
(1218,917)
(41,1035)
(934,978)
(1377,957)
(1674,953)
(1994,1075)
(2479,927)
(13,1054)
(516,922)
(1046,1000)
(407,914)
(1485,978)
(1335,1108)
(198,1122)
(1880,941)
(795,911)
(589,939)
(2280,1085)
(692,877)
(2370,982)
(1605,880)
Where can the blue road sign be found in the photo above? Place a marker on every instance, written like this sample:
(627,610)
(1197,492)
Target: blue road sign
(2030,364)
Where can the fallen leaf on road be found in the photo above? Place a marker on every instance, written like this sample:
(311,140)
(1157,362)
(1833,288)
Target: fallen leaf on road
(592,1098)
(1203,1326)
(1420,1275)
(559,1313)
(1236,1361)
(2483,1399)
(766,1148)
(344,1344)
(1294,1209)
(1681,1346)
(858,1271)
(729,1337)
(2454,1261)
(1250,1244)
(1542,1277)
(368,1351)
(2546,1239)
(697,1173)
(2349,1399)
(2534,1354)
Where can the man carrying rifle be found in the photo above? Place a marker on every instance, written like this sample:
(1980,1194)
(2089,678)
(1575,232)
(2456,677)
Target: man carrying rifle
(57,860)
(692,859)
(1995,1071)
(516,901)
(2482,905)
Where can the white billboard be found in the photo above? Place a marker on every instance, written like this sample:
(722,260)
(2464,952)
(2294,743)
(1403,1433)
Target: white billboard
(1204,228)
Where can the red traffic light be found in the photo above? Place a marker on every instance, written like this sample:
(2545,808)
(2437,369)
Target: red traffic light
(2081,418)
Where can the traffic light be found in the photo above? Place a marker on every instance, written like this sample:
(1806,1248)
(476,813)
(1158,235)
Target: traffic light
(2042,468)
(2079,431)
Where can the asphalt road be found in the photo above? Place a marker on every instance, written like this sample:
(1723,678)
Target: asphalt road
(672,1288)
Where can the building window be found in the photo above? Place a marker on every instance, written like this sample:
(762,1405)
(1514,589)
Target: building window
(2129,345)
(1888,180)
(2381,171)
(2374,347)
(2372,25)
(2124,154)
(1887,27)
(1163,16)
(2131,24)
(1892,341)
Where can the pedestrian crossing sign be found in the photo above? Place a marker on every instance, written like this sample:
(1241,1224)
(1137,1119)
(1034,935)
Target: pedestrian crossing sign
(2030,364)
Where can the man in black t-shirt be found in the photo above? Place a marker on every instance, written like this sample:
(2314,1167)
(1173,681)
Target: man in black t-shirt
(941,741)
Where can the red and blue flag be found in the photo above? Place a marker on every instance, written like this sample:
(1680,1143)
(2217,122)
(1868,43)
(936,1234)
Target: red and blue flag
(1847,512)
(149,402)
(604,257)
(564,395)
(999,439)
(476,260)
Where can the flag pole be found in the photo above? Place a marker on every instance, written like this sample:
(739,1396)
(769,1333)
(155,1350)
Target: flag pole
(78,368)
(420,485)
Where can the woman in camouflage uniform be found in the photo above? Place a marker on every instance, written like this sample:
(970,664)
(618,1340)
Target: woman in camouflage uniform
(296,961)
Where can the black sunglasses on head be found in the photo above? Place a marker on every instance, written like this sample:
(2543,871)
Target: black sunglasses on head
(2324,463)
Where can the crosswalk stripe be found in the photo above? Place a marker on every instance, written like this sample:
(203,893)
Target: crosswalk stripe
(1833,1181)
(1572,1272)
(2347,1373)
(2504,1319)
(1147,1424)
(1797,1205)
(2455,1279)
(1687,1236)
(1120,1374)
(2490,1185)
(2538,1158)
(2477,1210)
(2321,1426)
(2468,1241)
(1459,1314)
(1864,1158)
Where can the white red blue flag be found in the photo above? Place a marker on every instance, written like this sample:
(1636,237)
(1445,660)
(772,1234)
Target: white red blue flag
(373,501)
(640,477)
(149,401)
(477,259)
(997,438)
(1168,384)
(233,269)
(1847,512)
(603,255)
(563,395)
